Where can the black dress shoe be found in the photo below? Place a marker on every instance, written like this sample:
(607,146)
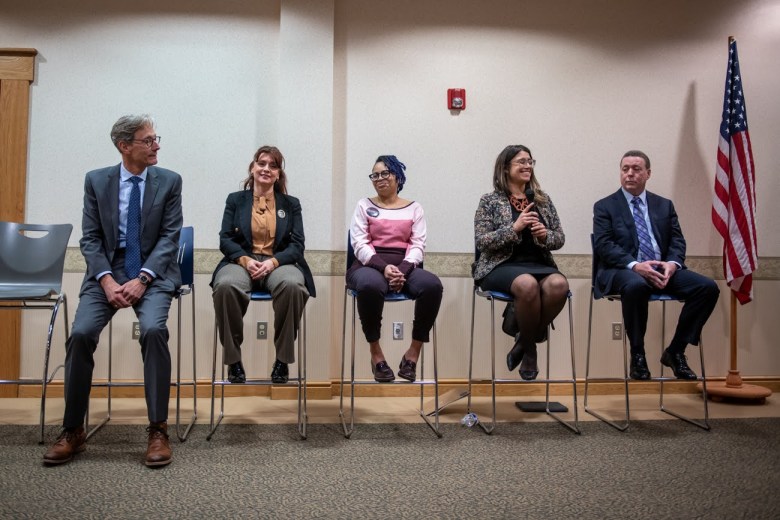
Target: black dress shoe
(515,356)
(639,368)
(236,373)
(679,365)
(407,369)
(280,373)
(529,369)
(382,372)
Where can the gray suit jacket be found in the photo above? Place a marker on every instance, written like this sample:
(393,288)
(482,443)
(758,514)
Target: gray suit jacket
(161,221)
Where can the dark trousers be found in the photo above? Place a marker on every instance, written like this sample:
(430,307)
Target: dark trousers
(699,293)
(422,286)
(93,314)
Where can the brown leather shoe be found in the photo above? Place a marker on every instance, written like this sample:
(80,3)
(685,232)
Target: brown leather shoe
(158,452)
(70,442)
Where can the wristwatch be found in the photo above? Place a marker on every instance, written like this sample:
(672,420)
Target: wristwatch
(145,279)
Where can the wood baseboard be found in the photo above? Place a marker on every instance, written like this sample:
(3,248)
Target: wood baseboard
(325,390)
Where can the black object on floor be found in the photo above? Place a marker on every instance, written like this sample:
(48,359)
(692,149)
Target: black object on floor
(540,406)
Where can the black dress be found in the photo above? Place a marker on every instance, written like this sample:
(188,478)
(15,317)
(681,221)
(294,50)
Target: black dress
(527,258)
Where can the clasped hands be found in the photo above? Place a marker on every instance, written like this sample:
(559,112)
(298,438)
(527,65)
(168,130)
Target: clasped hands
(122,296)
(656,272)
(530,219)
(395,278)
(258,270)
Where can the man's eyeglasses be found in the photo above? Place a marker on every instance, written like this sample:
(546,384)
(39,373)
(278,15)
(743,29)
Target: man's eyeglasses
(526,162)
(149,141)
(384,174)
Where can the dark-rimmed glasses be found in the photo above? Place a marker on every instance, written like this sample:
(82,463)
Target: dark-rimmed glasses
(384,174)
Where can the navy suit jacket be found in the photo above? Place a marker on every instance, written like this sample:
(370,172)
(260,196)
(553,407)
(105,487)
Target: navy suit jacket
(161,221)
(235,237)
(615,242)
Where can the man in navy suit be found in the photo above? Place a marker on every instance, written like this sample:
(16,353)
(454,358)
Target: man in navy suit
(640,251)
(130,236)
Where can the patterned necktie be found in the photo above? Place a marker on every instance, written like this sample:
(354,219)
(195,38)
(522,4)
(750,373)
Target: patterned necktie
(133,231)
(645,243)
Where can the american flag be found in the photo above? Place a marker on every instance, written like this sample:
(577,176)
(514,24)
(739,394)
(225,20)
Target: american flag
(734,202)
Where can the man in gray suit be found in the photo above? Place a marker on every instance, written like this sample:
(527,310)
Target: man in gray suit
(130,235)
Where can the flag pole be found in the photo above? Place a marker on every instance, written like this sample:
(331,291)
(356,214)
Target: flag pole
(733,387)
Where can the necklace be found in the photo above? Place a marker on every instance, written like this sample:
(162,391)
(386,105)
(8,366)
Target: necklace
(518,203)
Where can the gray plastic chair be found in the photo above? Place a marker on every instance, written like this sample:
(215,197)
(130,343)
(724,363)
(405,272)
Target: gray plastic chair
(185,258)
(32,257)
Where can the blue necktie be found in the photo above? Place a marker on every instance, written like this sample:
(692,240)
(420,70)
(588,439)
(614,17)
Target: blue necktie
(646,251)
(133,231)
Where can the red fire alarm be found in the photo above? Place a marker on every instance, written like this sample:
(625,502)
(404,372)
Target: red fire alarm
(456,98)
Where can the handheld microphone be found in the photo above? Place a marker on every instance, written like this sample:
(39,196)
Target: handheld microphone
(530,196)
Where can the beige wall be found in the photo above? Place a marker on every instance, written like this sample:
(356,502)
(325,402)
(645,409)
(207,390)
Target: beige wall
(337,82)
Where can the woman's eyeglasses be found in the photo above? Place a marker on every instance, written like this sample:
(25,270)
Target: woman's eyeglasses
(384,174)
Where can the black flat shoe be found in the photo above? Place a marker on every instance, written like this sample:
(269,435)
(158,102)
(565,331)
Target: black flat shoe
(236,374)
(280,374)
(382,372)
(515,356)
(529,369)
(407,369)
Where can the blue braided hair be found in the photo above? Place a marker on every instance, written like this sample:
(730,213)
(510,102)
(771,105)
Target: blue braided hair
(394,165)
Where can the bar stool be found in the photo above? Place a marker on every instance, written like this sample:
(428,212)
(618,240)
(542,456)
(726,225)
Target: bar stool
(492,297)
(185,258)
(261,296)
(422,382)
(623,426)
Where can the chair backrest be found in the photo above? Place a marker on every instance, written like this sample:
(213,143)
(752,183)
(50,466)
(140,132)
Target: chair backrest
(594,261)
(186,257)
(350,250)
(31,266)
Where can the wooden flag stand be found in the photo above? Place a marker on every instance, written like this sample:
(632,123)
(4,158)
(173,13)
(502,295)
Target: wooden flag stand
(733,387)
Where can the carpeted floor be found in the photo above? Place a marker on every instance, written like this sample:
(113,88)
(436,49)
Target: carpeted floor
(657,469)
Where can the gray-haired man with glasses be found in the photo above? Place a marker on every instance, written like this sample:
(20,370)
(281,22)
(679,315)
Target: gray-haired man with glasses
(130,235)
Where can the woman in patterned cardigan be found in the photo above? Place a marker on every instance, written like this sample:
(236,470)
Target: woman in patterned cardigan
(515,228)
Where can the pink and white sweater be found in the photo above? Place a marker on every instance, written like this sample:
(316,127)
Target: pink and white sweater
(381,236)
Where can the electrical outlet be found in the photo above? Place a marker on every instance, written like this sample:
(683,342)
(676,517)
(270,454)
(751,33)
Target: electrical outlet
(262,330)
(136,330)
(398,330)
(617,330)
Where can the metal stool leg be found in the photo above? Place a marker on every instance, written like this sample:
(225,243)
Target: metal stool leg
(435,425)
(347,429)
(705,424)
(621,427)
(575,426)
(302,412)
(213,425)
(183,436)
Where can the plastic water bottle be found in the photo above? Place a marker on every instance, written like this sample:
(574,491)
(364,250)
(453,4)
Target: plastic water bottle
(469,420)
